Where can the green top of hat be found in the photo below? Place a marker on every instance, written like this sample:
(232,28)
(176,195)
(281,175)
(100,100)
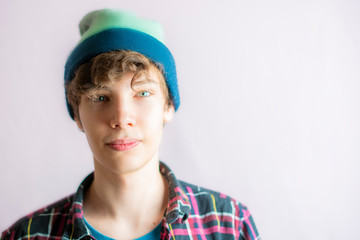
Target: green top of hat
(100,20)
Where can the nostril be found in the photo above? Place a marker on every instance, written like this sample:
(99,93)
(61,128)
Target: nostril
(122,123)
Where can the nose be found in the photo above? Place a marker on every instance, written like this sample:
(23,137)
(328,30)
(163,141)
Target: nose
(121,115)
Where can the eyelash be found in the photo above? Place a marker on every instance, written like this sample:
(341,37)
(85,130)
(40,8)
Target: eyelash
(98,98)
(139,94)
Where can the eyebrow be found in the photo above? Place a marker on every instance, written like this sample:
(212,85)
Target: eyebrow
(144,81)
(103,88)
(134,83)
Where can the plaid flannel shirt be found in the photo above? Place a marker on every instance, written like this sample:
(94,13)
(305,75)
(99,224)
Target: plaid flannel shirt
(192,213)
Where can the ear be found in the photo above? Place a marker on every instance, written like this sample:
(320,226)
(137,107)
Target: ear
(78,123)
(169,113)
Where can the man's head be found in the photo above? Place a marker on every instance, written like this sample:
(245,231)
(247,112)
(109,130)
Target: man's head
(121,87)
(110,30)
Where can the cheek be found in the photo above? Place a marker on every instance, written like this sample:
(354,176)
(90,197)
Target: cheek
(153,114)
(91,125)
(91,115)
(151,122)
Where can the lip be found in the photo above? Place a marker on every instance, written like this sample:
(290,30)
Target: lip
(123,144)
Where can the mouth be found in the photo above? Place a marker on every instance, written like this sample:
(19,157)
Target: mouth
(123,144)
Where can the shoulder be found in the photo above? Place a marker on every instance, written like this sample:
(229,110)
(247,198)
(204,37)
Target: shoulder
(219,213)
(41,220)
(206,198)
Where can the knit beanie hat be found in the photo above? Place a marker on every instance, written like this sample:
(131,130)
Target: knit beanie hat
(110,29)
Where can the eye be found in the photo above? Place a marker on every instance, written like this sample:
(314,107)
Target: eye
(144,94)
(99,98)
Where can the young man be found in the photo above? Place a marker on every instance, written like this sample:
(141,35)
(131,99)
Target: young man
(121,89)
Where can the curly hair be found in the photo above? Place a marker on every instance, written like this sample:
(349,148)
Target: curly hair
(107,68)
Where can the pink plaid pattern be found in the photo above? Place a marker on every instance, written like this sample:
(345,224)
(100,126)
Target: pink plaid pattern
(192,213)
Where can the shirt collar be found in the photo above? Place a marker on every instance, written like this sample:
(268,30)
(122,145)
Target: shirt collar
(178,206)
(77,229)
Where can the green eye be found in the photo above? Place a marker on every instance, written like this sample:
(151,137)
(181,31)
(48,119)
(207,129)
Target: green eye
(144,93)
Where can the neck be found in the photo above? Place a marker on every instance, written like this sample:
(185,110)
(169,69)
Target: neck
(127,199)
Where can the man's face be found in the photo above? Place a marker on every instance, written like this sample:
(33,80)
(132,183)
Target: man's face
(123,122)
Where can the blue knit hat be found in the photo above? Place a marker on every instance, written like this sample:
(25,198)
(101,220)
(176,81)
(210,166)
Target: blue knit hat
(109,30)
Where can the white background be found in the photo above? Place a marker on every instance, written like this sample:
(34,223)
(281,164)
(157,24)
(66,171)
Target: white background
(269,112)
